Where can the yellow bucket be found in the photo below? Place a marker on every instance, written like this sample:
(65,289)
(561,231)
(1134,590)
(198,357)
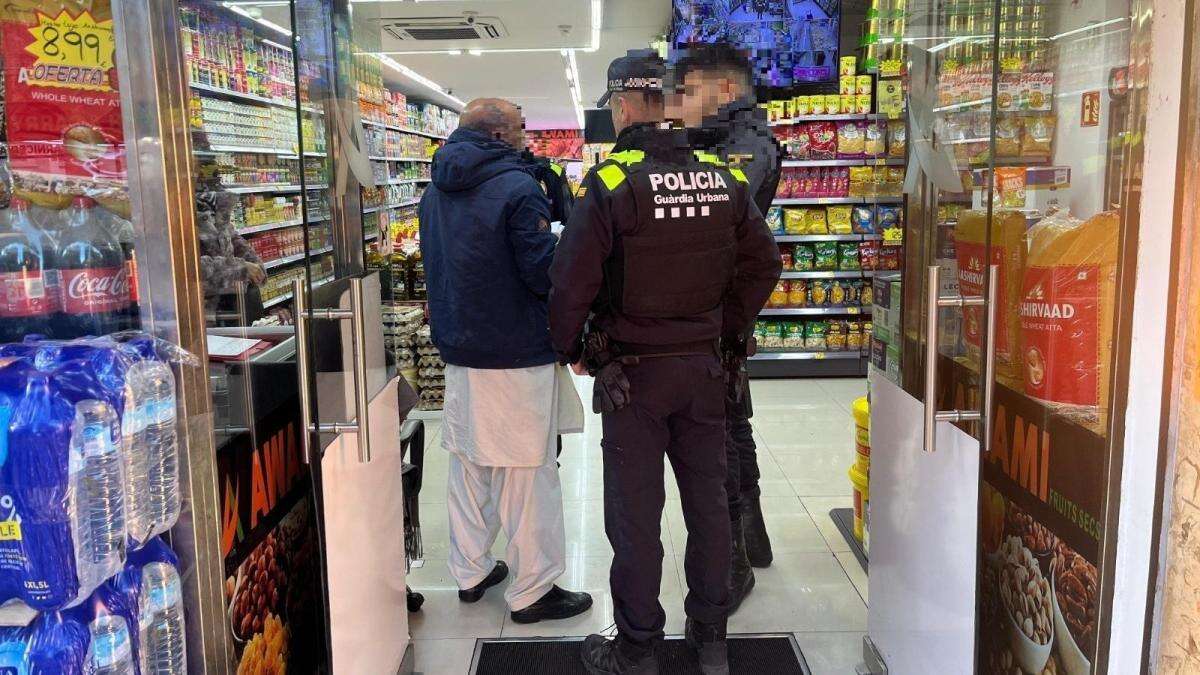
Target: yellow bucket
(861,491)
(862,435)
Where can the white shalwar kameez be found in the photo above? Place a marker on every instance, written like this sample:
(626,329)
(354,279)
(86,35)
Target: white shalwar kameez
(500,427)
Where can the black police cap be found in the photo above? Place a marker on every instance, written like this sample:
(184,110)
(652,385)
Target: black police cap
(638,70)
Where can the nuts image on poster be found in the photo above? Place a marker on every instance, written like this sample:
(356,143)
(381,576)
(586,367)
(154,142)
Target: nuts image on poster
(260,580)
(1035,536)
(1025,592)
(1076,588)
(266,653)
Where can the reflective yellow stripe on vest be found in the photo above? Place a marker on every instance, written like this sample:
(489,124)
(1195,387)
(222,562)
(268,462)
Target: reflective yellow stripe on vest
(611,175)
(739,174)
(708,158)
(556,168)
(627,157)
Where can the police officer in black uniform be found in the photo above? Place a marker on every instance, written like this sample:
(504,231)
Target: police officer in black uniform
(664,256)
(714,96)
(552,177)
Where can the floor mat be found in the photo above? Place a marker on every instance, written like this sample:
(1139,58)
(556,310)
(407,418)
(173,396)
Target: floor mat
(748,654)
(844,519)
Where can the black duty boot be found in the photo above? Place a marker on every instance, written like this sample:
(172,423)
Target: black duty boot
(708,640)
(555,604)
(741,574)
(499,573)
(758,544)
(618,656)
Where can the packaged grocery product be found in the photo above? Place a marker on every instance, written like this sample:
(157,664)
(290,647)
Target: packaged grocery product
(866,296)
(798,293)
(795,221)
(1010,187)
(846,105)
(833,102)
(823,140)
(848,255)
(814,335)
(862,104)
(875,139)
(816,104)
(785,256)
(893,181)
(854,336)
(825,255)
(775,111)
(862,219)
(862,180)
(773,336)
(779,296)
(897,138)
(800,144)
(760,331)
(886,216)
(788,184)
(846,84)
(819,291)
(868,254)
(815,219)
(775,219)
(1008,137)
(1008,250)
(835,339)
(863,85)
(783,136)
(793,335)
(848,65)
(838,218)
(803,257)
(853,290)
(1038,137)
(841,181)
(837,293)
(1067,314)
(851,139)
(889,258)
(802,106)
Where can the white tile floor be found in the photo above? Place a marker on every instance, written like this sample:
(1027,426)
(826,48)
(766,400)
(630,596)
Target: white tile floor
(815,588)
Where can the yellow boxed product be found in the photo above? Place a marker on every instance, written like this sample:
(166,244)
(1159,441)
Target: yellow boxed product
(801,106)
(891,98)
(816,105)
(775,112)
(862,85)
(846,106)
(833,103)
(847,85)
(862,104)
(860,488)
(848,65)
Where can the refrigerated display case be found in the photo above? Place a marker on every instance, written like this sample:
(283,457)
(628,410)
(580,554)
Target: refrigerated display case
(996,424)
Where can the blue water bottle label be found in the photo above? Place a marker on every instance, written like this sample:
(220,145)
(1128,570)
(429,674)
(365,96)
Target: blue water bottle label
(12,658)
(97,440)
(6,413)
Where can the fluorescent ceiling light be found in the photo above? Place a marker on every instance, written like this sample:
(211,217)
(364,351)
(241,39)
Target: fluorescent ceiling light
(475,52)
(572,74)
(1089,27)
(417,77)
(455,52)
(597,23)
(260,21)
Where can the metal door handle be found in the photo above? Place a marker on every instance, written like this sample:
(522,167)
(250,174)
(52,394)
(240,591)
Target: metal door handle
(362,398)
(934,301)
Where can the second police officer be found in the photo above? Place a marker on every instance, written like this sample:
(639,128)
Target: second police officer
(664,256)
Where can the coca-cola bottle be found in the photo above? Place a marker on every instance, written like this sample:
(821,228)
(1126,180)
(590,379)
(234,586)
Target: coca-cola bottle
(29,289)
(95,280)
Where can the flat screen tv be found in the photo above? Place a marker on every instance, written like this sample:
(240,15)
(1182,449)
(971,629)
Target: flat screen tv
(791,41)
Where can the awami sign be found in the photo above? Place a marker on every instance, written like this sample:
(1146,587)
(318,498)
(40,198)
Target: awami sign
(556,143)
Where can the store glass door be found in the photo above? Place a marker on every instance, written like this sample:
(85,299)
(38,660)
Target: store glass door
(990,519)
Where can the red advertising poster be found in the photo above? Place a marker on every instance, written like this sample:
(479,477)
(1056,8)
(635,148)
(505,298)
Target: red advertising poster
(63,110)
(556,143)
(1089,109)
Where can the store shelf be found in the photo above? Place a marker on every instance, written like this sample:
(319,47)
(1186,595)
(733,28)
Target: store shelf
(814,311)
(801,238)
(806,356)
(407,181)
(847,117)
(288,296)
(239,96)
(256,189)
(833,201)
(839,274)
(381,158)
(265,227)
(243,150)
(872,161)
(388,207)
(426,134)
(288,260)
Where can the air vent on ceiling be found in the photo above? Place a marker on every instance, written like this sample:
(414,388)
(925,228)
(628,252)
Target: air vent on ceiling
(446,28)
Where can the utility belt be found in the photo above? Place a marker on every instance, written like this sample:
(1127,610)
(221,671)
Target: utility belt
(698,348)
(606,361)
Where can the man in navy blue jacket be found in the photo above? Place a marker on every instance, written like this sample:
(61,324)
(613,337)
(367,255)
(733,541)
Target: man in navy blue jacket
(487,248)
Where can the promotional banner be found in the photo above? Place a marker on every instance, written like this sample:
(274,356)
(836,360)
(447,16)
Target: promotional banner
(1045,479)
(556,143)
(272,556)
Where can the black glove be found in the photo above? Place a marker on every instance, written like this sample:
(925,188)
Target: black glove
(611,392)
(734,352)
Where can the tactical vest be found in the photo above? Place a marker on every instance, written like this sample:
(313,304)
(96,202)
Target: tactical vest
(678,259)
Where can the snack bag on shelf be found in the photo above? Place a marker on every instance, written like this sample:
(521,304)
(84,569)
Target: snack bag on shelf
(866,295)
(793,335)
(851,140)
(848,256)
(1010,187)
(889,258)
(779,296)
(835,339)
(819,292)
(868,254)
(888,216)
(854,336)
(875,139)
(825,256)
(815,220)
(838,218)
(838,293)
(773,336)
(814,336)
(823,140)
(785,256)
(1008,137)
(862,179)
(1038,137)
(798,293)
(862,220)
(897,138)
(1067,314)
(774,219)
(799,142)
(803,257)
(807,185)
(795,221)
(1008,250)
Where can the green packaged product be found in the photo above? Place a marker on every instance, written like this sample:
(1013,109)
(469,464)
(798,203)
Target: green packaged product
(802,257)
(848,256)
(773,336)
(825,256)
(814,336)
(793,335)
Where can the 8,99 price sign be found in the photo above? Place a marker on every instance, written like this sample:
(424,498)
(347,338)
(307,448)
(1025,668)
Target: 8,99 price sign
(75,52)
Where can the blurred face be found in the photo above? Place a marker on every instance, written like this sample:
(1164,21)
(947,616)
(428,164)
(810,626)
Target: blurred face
(514,135)
(701,95)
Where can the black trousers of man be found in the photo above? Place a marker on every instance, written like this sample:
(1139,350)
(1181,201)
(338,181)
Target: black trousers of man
(677,412)
(741,454)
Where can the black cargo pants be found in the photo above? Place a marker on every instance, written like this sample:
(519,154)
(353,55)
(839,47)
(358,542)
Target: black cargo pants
(741,454)
(677,412)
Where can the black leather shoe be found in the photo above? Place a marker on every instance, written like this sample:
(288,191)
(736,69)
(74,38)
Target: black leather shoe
(758,544)
(602,656)
(741,574)
(499,573)
(556,604)
(708,641)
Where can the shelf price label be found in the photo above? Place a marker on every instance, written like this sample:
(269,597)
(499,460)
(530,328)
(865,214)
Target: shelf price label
(852,310)
(74,52)
(819,356)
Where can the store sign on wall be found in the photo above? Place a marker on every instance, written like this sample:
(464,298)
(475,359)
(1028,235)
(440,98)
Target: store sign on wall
(1089,109)
(556,143)
(1041,520)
